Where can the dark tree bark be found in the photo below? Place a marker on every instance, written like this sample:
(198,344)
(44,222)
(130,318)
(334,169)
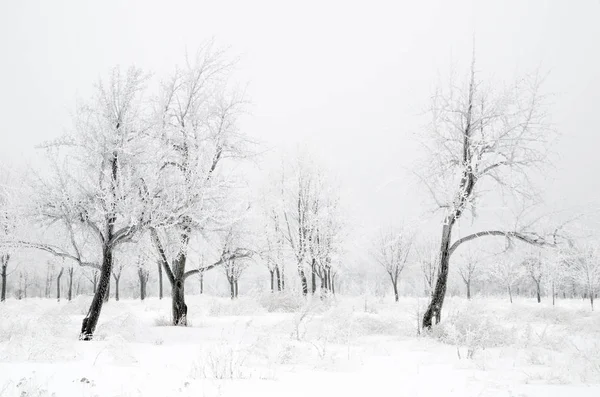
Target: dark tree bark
(303,282)
(231,288)
(278,277)
(58,284)
(468,289)
(236,288)
(107,294)
(437,300)
(395,284)
(538,292)
(160,280)
(272,272)
(90,321)
(201,283)
(313,276)
(4,265)
(70,290)
(282,279)
(178,303)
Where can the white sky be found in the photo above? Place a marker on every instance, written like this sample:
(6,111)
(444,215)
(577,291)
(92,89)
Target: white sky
(347,78)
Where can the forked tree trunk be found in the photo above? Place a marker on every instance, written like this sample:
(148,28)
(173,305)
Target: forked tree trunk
(160,281)
(179,307)
(70,290)
(437,300)
(90,321)
(58,284)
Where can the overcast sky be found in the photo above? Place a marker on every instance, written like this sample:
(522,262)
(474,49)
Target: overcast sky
(346,78)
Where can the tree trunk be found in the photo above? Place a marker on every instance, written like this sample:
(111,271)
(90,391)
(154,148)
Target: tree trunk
(272,272)
(160,281)
(282,280)
(107,295)
(333,284)
(3,291)
(70,290)
(510,294)
(90,321)
(179,307)
(143,279)
(236,288)
(313,277)
(303,281)
(278,276)
(468,289)
(117,287)
(395,284)
(201,283)
(592,300)
(231,288)
(437,300)
(538,292)
(58,284)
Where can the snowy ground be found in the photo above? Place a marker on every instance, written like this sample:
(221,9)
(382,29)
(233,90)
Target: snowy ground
(279,346)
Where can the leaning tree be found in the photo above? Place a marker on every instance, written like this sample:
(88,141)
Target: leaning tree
(94,191)
(481,140)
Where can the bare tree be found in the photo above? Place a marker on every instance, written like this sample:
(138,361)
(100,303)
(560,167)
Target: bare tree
(584,267)
(481,140)
(391,252)
(116,273)
(535,268)
(508,271)
(428,259)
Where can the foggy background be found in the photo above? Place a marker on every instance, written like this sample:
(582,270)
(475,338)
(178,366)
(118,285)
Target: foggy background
(348,80)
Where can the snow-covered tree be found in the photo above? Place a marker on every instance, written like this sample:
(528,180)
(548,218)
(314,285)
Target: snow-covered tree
(583,265)
(196,134)
(391,250)
(481,140)
(507,270)
(93,191)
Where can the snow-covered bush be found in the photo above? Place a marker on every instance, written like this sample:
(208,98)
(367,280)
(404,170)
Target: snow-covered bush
(281,302)
(472,330)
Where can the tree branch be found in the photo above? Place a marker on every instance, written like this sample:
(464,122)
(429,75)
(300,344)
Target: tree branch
(531,238)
